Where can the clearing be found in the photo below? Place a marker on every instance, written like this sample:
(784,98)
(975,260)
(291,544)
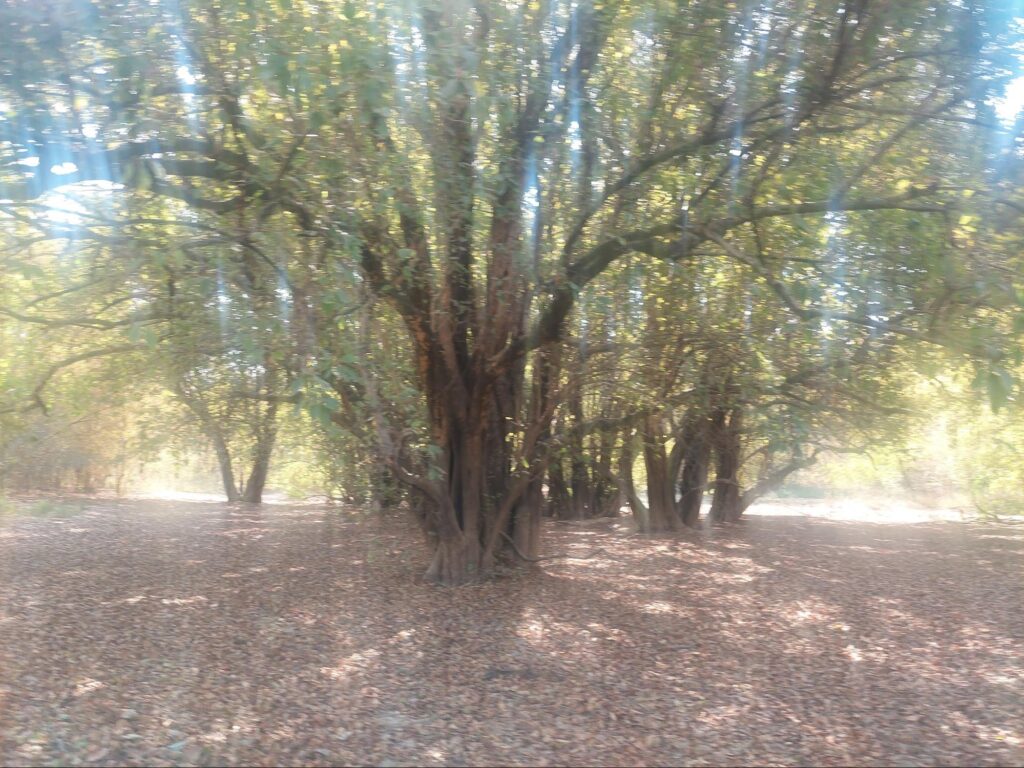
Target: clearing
(178,632)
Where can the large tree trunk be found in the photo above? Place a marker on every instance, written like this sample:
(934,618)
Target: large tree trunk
(661,503)
(694,475)
(489,501)
(266,436)
(455,561)
(607,497)
(727,503)
(626,485)
(257,480)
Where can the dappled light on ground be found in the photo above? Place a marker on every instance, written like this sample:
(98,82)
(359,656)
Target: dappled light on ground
(882,510)
(172,632)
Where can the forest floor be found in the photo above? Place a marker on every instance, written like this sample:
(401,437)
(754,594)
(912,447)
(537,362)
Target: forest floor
(181,633)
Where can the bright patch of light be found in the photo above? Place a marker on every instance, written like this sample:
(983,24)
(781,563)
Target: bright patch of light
(63,169)
(64,210)
(859,510)
(575,142)
(90,130)
(185,75)
(1008,107)
(531,199)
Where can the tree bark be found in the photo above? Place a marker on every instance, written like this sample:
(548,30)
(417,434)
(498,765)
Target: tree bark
(257,480)
(628,488)
(579,477)
(726,504)
(661,503)
(227,473)
(694,474)
(384,491)
(558,492)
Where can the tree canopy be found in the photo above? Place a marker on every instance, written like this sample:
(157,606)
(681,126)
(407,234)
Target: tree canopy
(500,251)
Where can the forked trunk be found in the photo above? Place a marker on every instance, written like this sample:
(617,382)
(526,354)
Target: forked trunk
(266,436)
(257,481)
(488,499)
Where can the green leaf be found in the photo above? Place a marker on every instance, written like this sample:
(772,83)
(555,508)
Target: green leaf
(1000,385)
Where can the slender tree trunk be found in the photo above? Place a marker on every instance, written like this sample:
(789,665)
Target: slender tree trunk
(257,481)
(384,491)
(580,485)
(209,427)
(227,473)
(606,497)
(626,484)
(558,492)
(579,478)
(770,480)
(529,507)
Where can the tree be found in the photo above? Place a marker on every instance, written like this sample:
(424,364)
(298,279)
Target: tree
(473,168)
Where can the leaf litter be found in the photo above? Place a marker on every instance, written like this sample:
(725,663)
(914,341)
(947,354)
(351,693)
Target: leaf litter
(178,633)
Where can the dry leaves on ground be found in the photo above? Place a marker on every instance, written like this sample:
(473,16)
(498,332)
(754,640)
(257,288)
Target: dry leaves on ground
(181,633)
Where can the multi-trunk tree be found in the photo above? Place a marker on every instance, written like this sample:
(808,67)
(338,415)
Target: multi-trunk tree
(468,169)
